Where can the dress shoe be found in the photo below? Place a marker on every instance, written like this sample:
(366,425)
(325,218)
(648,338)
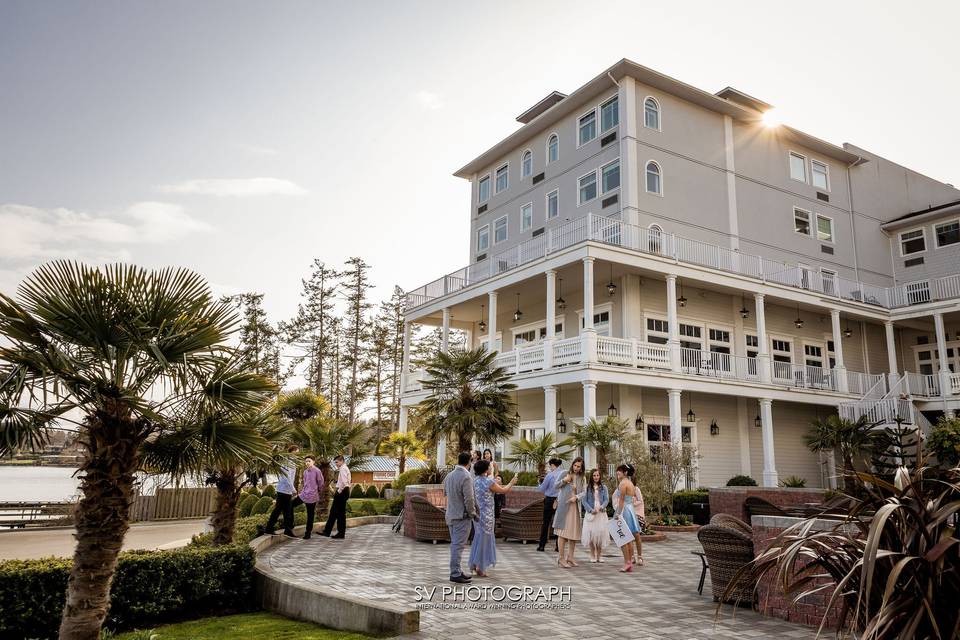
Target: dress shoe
(460,579)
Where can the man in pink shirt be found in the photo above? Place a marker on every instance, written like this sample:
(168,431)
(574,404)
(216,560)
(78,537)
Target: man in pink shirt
(338,511)
(309,492)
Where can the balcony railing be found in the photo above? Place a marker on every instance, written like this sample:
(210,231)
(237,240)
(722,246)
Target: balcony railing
(688,251)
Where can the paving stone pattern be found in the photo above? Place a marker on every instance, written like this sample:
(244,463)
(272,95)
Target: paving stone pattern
(657,601)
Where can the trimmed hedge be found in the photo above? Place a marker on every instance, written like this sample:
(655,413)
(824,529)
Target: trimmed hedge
(269,491)
(506,475)
(246,529)
(149,587)
(410,476)
(245,507)
(367,509)
(371,492)
(526,479)
(395,505)
(741,481)
(263,505)
(356,491)
(683,501)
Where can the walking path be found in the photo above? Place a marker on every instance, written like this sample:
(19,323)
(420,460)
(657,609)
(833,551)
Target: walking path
(24,544)
(656,602)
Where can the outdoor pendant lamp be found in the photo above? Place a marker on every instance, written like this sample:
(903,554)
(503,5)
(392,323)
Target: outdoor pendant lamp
(561,303)
(798,323)
(638,423)
(714,428)
(691,416)
(744,312)
(848,331)
(611,288)
(612,410)
(561,422)
(681,301)
(483,323)
(517,314)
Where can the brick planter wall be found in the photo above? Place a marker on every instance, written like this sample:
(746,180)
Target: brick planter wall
(730,499)
(809,610)
(518,497)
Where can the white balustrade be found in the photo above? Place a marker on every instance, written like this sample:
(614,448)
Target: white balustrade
(615,351)
(955,384)
(653,356)
(567,352)
(923,385)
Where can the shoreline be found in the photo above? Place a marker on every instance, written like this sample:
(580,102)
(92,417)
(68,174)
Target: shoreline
(38,463)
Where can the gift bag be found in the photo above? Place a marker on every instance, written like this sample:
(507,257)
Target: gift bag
(619,531)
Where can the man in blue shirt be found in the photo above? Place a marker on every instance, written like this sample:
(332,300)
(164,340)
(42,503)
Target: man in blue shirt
(549,488)
(286,482)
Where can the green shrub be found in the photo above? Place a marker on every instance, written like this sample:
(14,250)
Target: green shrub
(741,481)
(793,482)
(269,491)
(945,441)
(683,501)
(527,479)
(371,492)
(395,505)
(667,520)
(148,587)
(253,491)
(506,475)
(245,506)
(263,505)
(356,491)
(410,476)
(385,487)
(367,509)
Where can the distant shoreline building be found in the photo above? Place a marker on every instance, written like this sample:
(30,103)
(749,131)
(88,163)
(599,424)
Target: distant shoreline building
(647,249)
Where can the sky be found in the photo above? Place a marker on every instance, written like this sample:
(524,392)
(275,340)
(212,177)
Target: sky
(245,139)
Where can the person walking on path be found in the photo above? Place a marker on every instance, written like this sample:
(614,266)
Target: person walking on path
(285,491)
(338,510)
(309,493)
(483,551)
(549,488)
(566,522)
(461,512)
(595,535)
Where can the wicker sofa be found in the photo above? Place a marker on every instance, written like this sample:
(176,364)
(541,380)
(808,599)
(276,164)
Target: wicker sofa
(732,522)
(522,523)
(728,549)
(430,520)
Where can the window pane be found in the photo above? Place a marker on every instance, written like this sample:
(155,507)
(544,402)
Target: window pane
(483,239)
(912,242)
(527,165)
(502,178)
(798,169)
(801,222)
(588,187)
(651,114)
(611,176)
(553,150)
(609,115)
(819,174)
(526,216)
(948,233)
(825,229)
(483,189)
(653,178)
(588,127)
(500,230)
(553,205)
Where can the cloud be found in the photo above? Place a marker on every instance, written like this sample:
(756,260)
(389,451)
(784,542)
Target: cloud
(428,100)
(31,234)
(257,149)
(236,187)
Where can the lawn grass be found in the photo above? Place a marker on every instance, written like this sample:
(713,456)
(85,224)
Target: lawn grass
(246,626)
(380,504)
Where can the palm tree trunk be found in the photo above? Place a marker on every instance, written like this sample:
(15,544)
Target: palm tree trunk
(464,443)
(403,461)
(102,520)
(323,498)
(224,517)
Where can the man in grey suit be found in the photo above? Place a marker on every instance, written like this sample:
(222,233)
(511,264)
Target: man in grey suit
(461,512)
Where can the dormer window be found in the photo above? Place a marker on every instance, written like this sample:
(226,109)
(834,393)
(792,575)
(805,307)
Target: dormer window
(553,149)
(526,164)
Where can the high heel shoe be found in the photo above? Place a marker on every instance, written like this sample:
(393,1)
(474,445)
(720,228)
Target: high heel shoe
(627,568)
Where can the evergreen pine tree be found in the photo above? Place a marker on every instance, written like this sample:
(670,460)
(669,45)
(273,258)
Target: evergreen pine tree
(355,286)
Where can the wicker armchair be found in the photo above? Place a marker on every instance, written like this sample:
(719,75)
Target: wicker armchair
(429,520)
(732,522)
(728,550)
(523,523)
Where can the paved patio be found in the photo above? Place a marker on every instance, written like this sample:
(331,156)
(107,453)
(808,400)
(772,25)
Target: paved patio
(657,601)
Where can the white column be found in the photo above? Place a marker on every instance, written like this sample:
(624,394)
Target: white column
(589,413)
(492,321)
(673,341)
(770,478)
(550,409)
(442,452)
(840,371)
(551,318)
(763,348)
(942,356)
(831,470)
(445,331)
(588,332)
(629,163)
(405,366)
(404,414)
(676,431)
(743,433)
(891,352)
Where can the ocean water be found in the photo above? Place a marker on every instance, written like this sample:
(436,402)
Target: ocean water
(30,484)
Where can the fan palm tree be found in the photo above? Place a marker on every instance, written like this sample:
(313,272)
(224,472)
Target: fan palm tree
(126,349)
(849,439)
(536,453)
(602,435)
(400,445)
(469,398)
(325,439)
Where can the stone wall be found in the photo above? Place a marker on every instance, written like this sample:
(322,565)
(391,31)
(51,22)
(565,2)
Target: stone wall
(518,497)
(730,499)
(809,610)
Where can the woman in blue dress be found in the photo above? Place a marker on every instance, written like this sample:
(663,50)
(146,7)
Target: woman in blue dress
(623,507)
(483,550)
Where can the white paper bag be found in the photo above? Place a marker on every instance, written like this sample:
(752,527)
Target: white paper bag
(619,531)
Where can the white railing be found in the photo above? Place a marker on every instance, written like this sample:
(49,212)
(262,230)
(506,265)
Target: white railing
(615,232)
(955,384)
(895,404)
(506,361)
(803,376)
(414,380)
(653,356)
(718,365)
(861,383)
(615,351)
(530,358)
(923,385)
(567,352)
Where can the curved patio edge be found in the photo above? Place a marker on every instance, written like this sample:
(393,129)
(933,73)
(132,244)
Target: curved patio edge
(328,607)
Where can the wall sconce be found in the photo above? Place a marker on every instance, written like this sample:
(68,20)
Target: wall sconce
(757,422)
(638,423)
(714,428)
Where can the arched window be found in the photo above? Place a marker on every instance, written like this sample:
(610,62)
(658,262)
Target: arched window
(526,164)
(553,149)
(651,114)
(654,178)
(655,239)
